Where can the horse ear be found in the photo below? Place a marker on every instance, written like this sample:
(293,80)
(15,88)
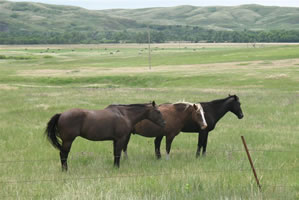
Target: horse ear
(195,106)
(154,103)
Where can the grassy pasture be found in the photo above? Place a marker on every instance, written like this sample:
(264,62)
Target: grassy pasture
(37,82)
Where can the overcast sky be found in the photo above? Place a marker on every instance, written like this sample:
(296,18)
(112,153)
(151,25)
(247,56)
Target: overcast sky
(108,4)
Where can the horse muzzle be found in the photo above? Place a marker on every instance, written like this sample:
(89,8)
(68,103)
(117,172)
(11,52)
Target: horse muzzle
(203,126)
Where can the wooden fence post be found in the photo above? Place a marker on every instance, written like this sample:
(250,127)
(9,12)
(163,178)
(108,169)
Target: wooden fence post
(251,163)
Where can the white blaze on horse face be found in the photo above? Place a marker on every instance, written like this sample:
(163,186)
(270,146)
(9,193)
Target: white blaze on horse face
(203,116)
(200,109)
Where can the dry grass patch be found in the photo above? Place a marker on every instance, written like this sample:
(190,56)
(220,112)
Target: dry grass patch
(42,106)
(162,45)
(277,76)
(7,87)
(200,68)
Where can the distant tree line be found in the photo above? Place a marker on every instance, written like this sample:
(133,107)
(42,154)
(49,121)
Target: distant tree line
(158,33)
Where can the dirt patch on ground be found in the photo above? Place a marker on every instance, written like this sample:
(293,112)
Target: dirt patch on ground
(7,87)
(277,76)
(42,106)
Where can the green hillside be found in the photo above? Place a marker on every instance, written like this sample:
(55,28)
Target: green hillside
(42,17)
(37,23)
(254,17)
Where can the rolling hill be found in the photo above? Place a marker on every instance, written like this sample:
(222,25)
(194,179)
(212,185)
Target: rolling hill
(43,18)
(37,17)
(252,17)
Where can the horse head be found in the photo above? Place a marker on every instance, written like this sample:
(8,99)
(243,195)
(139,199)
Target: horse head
(198,116)
(235,106)
(155,115)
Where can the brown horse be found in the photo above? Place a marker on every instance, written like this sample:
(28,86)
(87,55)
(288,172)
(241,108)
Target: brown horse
(175,116)
(113,123)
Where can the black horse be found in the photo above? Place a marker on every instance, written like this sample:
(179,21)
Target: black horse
(214,111)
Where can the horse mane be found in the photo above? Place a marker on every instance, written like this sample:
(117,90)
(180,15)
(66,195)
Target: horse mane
(188,104)
(224,99)
(131,105)
(165,104)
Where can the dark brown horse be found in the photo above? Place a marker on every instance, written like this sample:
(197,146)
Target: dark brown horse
(175,116)
(113,123)
(214,111)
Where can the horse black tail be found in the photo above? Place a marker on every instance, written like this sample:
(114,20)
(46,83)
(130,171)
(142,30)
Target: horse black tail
(51,131)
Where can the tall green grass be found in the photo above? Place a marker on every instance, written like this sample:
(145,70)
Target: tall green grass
(267,86)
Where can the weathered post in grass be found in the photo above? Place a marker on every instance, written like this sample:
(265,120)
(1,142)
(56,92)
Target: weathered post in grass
(149,48)
(251,163)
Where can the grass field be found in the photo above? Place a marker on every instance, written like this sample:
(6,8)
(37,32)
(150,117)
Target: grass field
(38,81)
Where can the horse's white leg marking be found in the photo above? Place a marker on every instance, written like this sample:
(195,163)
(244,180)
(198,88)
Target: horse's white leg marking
(167,156)
(125,155)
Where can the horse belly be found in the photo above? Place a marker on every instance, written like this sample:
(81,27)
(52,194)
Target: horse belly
(96,130)
(147,128)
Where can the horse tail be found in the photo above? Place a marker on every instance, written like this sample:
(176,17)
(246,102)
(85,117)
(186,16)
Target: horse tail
(52,131)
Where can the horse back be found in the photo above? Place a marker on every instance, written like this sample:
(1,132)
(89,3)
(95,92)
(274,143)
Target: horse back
(103,125)
(70,123)
(90,124)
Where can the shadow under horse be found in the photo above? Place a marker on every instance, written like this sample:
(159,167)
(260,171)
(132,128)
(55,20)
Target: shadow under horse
(214,111)
(175,116)
(115,122)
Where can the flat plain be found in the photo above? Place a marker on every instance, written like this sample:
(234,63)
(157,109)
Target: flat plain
(37,82)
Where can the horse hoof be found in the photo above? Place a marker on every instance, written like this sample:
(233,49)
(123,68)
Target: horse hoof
(167,157)
(116,166)
(126,156)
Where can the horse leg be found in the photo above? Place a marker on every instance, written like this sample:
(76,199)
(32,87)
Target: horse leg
(202,138)
(126,146)
(205,142)
(157,146)
(118,145)
(168,146)
(116,159)
(199,144)
(64,152)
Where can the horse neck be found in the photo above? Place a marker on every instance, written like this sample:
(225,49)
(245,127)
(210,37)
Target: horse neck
(136,114)
(185,115)
(220,108)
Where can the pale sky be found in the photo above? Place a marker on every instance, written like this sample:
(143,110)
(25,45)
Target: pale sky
(108,4)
